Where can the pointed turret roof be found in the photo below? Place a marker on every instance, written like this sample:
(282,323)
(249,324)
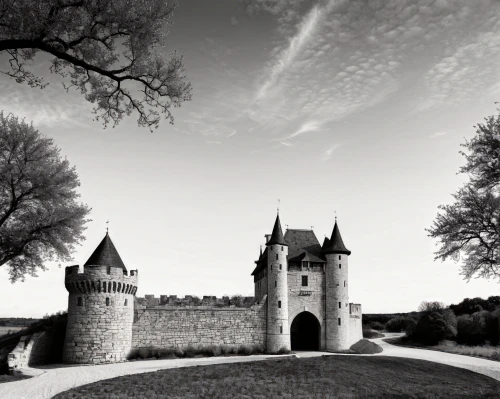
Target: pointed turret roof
(277,234)
(336,245)
(106,255)
(326,241)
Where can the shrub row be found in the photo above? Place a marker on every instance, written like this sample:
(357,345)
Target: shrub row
(197,351)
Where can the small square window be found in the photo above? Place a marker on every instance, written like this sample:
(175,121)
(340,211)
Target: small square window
(304,281)
(107,301)
(126,302)
(79,303)
(279,304)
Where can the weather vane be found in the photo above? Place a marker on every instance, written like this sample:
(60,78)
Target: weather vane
(107,226)
(278,206)
(335,212)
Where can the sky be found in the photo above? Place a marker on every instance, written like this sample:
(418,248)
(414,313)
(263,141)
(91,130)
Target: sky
(354,109)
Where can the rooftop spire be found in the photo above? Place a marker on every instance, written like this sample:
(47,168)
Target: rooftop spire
(277,234)
(336,245)
(106,255)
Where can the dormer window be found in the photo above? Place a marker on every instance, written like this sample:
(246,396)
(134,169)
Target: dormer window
(305,264)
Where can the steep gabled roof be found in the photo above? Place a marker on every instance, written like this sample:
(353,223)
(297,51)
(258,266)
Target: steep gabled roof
(261,263)
(303,245)
(336,245)
(106,255)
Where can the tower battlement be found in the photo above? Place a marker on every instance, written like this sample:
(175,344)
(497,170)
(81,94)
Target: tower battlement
(100,278)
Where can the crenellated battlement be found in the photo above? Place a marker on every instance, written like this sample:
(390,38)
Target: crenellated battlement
(100,279)
(172,301)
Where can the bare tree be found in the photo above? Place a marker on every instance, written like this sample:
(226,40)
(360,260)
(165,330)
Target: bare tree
(106,49)
(40,218)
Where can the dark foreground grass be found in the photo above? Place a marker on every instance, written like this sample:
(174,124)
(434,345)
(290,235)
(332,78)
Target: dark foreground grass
(322,377)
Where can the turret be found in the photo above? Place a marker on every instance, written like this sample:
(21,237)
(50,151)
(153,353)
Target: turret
(337,297)
(278,331)
(100,308)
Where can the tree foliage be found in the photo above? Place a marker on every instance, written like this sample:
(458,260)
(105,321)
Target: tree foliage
(40,217)
(469,228)
(434,306)
(431,329)
(109,50)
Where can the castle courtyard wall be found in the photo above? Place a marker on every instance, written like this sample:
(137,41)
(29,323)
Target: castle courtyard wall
(355,323)
(171,326)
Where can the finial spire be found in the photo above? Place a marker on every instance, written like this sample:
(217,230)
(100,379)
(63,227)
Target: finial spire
(107,227)
(278,206)
(335,212)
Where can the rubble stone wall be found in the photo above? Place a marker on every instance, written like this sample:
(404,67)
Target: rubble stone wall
(170,326)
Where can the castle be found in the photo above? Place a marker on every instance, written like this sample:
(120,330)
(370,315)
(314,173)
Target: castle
(301,302)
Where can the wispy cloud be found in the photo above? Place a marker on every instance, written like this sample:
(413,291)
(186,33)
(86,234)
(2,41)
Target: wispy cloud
(328,153)
(234,21)
(438,134)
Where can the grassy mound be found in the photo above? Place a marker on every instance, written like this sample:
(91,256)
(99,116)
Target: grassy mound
(365,347)
(321,377)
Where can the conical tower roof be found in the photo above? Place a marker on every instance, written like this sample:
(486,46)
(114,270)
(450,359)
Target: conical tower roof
(326,241)
(106,255)
(336,245)
(277,235)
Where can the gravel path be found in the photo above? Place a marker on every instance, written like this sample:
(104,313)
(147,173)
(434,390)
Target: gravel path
(57,379)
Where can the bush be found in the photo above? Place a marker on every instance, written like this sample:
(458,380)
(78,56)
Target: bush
(431,329)
(471,329)
(258,349)
(376,325)
(369,333)
(399,324)
(226,349)
(190,351)
(245,350)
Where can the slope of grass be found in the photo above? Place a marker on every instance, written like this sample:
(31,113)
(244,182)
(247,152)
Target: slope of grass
(322,377)
(483,351)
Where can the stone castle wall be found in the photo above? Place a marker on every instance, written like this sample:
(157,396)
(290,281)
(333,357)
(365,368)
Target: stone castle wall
(100,314)
(355,323)
(182,322)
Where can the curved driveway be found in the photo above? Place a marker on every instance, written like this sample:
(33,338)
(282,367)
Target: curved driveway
(57,379)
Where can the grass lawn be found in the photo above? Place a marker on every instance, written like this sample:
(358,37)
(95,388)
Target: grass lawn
(321,377)
(484,351)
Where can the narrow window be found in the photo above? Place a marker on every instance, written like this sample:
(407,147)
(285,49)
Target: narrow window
(279,304)
(280,266)
(281,329)
(126,301)
(282,248)
(275,283)
(276,256)
(340,266)
(344,283)
(340,305)
(76,343)
(109,270)
(107,301)
(304,281)
(340,257)
(340,322)
(79,301)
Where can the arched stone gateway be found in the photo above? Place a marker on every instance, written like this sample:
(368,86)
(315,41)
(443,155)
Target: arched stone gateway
(305,332)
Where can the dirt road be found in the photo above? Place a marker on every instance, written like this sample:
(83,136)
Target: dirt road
(61,378)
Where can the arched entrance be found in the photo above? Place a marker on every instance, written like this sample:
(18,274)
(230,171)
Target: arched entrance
(305,332)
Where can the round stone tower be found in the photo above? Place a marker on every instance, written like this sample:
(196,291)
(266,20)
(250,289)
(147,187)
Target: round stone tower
(278,332)
(337,296)
(100,308)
